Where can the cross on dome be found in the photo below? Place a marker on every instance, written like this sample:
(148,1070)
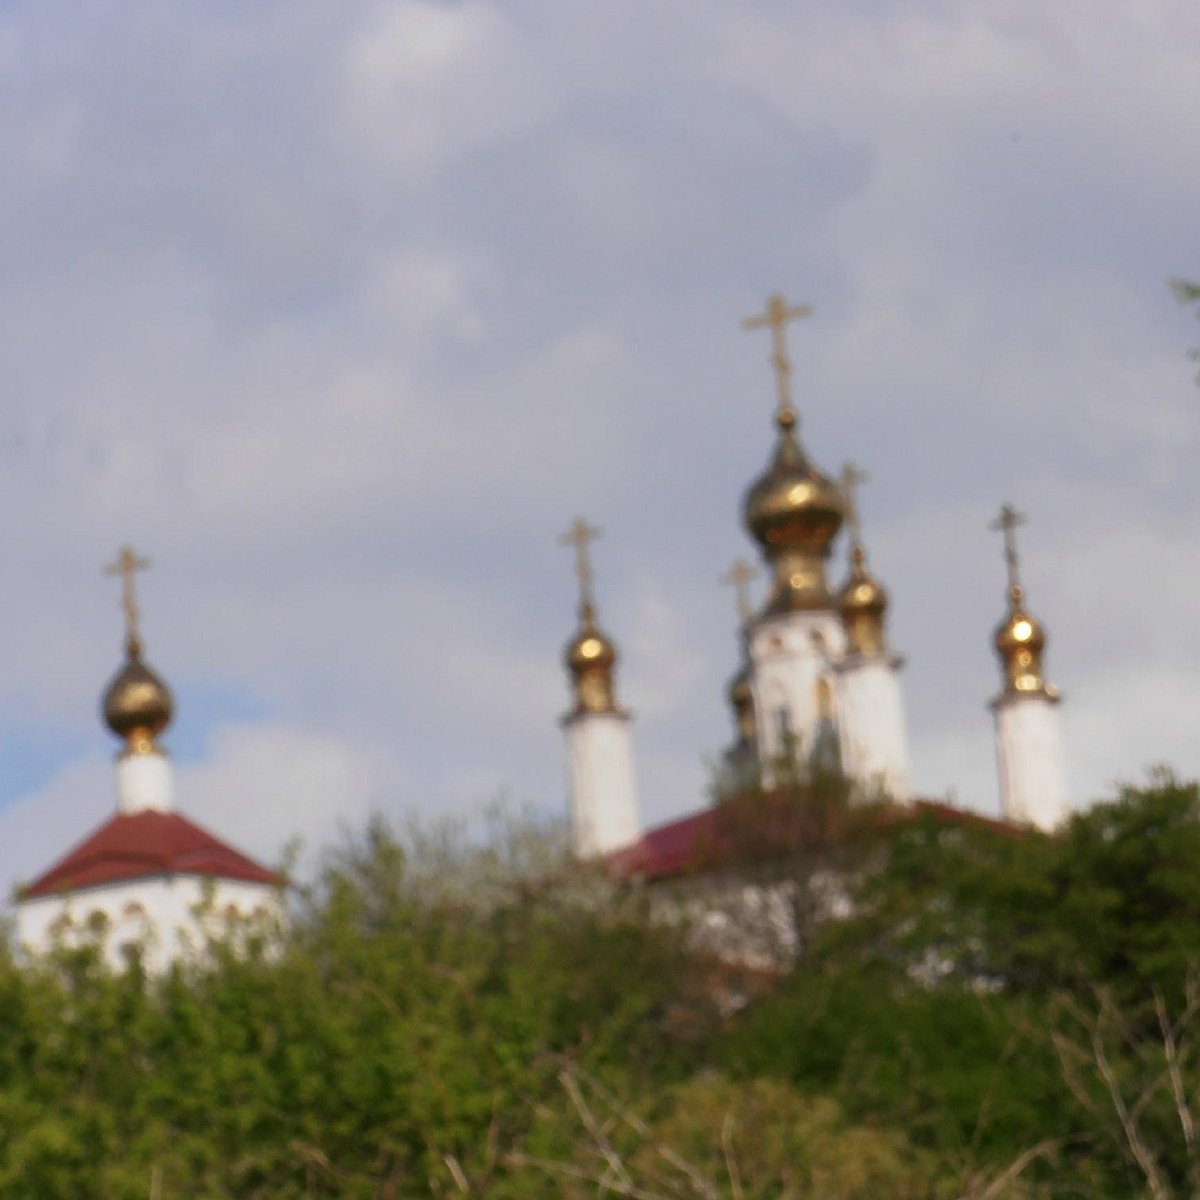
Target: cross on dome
(739,577)
(127,564)
(580,534)
(1007,522)
(776,317)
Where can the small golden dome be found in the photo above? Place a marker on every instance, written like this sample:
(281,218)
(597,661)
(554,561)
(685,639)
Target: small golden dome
(1020,640)
(794,512)
(137,705)
(591,657)
(862,594)
(589,649)
(862,603)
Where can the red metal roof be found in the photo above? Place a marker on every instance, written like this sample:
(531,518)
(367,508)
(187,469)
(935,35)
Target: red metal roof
(142,845)
(704,839)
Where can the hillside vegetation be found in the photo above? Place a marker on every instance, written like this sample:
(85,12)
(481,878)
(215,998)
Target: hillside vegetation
(1002,1016)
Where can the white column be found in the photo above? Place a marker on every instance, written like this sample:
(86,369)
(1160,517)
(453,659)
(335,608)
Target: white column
(604,807)
(791,654)
(1033,788)
(143,781)
(871,724)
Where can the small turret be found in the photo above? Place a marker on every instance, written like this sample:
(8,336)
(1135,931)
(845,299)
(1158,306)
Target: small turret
(603,800)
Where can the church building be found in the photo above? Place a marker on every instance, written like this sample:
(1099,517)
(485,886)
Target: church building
(148,879)
(817,688)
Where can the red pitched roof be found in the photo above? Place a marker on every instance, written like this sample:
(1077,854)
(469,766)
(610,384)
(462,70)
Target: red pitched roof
(702,839)
(142,845)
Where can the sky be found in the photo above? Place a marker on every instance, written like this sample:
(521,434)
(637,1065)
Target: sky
(341,312)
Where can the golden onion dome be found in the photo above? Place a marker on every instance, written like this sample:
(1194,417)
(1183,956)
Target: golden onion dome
(794,512)
(862,594)
(591,656)
(137,705)
(1020,640)
(862,603)
(589,649)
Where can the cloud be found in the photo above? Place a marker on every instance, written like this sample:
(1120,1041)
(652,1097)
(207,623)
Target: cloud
(341,314)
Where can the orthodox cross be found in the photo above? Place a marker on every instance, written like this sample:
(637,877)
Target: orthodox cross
(579,534)
(1008,520)
(738,577)
(776,317)
(127,565)
(852,476)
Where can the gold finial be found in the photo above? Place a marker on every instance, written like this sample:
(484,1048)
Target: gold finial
(852,476)
(1008,520)
(776,317)
(137,705)
(1020,640)
(863,600)
(590,656)
(126,566)
(579,534)
(739,577)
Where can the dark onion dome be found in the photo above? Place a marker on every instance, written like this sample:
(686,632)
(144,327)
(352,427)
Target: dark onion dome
(137,705)
(741,700)
(794,512)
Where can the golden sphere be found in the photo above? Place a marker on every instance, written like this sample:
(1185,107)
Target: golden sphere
(137,705)
(1019,635)
(589,650)
(862,594)
(792,506)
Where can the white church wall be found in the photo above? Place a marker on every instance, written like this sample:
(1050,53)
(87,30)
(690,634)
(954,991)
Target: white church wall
(1033,788)
(871,724)
(791,654)
(600,781)
(171,917)
(143,781)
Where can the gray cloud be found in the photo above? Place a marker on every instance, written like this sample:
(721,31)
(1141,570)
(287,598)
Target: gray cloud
(342,312)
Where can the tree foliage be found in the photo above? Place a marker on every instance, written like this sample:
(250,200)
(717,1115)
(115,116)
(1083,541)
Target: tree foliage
(454,1017)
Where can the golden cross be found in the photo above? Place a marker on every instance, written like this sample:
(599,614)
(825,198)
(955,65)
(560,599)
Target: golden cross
(1008,520)
(739,577)
(852,476)
(776,317)
(579,534)
(127,565)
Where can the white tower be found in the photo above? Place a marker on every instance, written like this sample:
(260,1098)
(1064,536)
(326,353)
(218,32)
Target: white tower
(794,513)
(1033,787)
(603,799)
(873,739)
